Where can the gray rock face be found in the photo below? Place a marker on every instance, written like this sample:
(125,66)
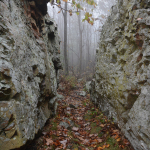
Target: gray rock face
(29,62)
(121,87)
(88,86)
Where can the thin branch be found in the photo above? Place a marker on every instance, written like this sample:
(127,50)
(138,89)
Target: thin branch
(72,50)
(63,13)
(65,9)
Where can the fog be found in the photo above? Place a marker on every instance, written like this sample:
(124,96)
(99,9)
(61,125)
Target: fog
(78,54)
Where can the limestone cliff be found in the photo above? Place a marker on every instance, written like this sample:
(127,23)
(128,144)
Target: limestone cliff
(29,62)
(121,87)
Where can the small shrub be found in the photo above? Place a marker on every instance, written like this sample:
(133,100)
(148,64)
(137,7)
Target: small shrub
(69,82)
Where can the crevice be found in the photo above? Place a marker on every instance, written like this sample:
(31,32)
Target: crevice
(51,36)
(16,97)
(15,134)
(139,57)
(5,94)
(132,97)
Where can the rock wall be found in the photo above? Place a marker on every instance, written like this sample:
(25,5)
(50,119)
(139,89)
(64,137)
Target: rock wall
(121,86)
(29,62)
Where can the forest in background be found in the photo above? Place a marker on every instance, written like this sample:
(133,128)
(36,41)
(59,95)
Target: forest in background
(79,29)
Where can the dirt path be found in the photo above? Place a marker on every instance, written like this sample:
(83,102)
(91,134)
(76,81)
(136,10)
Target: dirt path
(79,126)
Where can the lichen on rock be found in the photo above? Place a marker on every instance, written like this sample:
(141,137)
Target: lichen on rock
(120,87)
(29,64)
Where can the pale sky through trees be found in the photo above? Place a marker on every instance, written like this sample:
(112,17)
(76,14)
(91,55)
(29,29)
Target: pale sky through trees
(90,33)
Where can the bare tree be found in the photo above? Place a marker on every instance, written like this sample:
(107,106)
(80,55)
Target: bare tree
(65,40)
(80,42)
(78,46)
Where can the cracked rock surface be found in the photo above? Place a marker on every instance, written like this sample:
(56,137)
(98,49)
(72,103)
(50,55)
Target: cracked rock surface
(29,63)
(122,78)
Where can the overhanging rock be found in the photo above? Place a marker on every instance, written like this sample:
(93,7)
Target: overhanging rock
(29,61)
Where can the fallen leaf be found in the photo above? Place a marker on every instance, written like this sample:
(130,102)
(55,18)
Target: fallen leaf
(80,118)
(99,148)
(44,133)
(57,143)
(115,131)
(85,142)
(118,139)
(75,128)
(57,148)
(126,142)
(80,138)
(90,135)
(86,124)
(107,145)
(117,136)
(99,140)
(102,125)
(64,142)
(49,142)
(104,146)
(93,142)
(48,148)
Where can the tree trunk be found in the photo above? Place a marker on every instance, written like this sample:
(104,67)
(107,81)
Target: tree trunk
(65,40)
(80,42)
(88,48)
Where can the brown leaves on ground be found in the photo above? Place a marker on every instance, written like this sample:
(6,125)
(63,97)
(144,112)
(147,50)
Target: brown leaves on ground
(75,129)
(80,126)
(49,142)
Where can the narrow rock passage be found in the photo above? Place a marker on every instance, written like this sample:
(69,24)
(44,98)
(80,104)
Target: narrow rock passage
(79,126)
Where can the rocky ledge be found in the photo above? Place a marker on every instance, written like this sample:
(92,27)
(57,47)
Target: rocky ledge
(29,63)
(122,79)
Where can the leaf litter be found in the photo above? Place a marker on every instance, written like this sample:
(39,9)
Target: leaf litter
(91,130)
